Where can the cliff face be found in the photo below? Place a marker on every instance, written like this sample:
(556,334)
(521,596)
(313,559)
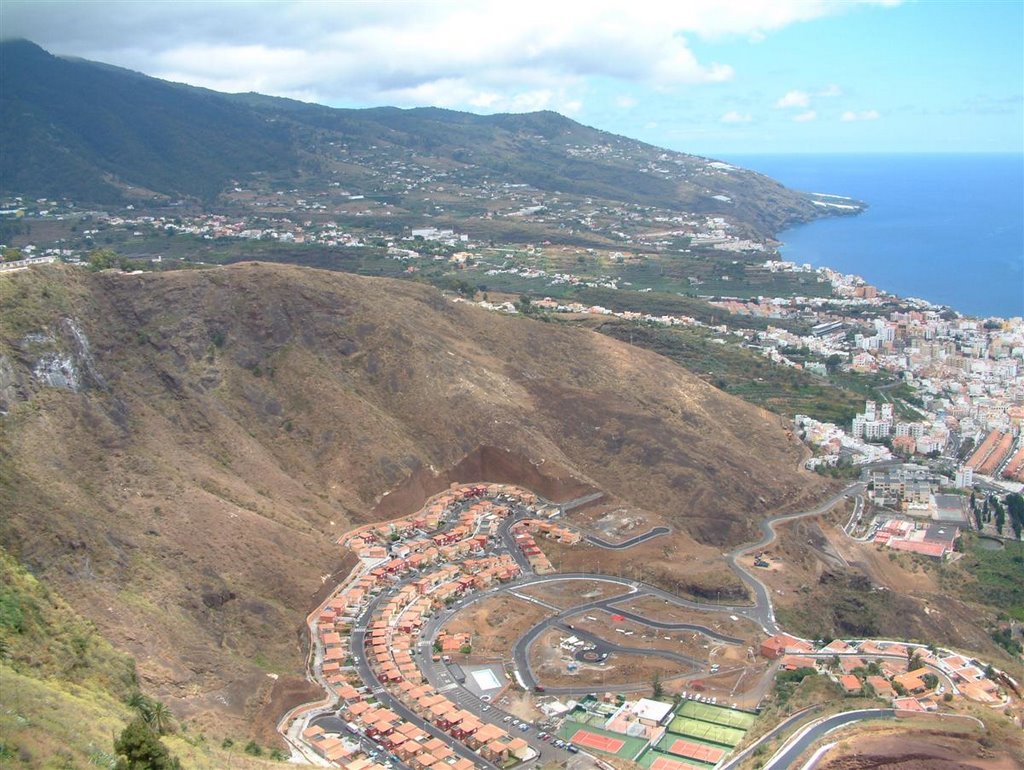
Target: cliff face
(179,450)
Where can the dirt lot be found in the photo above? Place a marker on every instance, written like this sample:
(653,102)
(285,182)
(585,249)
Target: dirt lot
(630,634)
(496,623)
(616,523)
(550,664)
(659,609)
(674,562)
(569,593)
(927,749)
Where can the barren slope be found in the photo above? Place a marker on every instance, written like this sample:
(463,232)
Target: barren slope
(179,449)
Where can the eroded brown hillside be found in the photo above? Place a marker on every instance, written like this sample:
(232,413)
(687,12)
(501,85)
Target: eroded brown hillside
(179,450)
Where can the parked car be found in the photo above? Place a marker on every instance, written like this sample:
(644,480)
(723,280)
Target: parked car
(507,719)
(572,749)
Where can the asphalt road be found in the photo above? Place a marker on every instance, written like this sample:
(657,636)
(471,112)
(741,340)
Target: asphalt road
(762,599)
(792,750)
(602,543)
(760,612)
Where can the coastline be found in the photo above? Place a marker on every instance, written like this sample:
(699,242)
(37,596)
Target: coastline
(948,228)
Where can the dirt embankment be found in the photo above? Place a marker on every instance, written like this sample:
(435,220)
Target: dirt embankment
(182,450)
(918,750)
(484,464)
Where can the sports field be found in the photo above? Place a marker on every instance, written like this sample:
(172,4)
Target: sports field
(605,741)
(691,749)
(706,712)
(655,760)
(708,731)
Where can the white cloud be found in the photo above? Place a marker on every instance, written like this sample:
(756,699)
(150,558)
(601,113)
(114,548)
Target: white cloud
(831,90)
(625,102)
(800,99)
(805,117)
(850,116)
(736,117)
(488,54)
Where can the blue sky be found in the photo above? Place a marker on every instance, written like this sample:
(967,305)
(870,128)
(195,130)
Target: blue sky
(716,77)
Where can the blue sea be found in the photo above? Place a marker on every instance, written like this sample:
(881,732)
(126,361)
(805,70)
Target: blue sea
(945,228)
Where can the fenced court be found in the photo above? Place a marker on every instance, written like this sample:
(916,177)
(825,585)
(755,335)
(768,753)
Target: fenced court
(597,741)
(692,750)
(664,762)
(708,731)
(707,712)
(604,741)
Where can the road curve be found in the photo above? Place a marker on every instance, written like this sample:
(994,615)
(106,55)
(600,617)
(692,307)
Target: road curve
(762,599)
(805,738)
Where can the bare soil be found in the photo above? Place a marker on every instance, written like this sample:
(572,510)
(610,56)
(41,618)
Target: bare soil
(496,623)
(550,663)
(569,593)
(917,750)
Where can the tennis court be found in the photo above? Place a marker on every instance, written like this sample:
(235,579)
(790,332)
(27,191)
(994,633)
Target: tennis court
(597,741)
(699,751)
(707,712)
(662,762)
(708,731)
(605,741)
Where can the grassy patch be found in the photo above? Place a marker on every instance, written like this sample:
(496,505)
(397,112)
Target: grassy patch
(995,578)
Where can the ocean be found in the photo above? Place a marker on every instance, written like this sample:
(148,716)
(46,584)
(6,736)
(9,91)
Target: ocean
(946,228)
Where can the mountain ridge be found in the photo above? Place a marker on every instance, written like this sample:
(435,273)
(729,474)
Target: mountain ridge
(96,133)
(268,408)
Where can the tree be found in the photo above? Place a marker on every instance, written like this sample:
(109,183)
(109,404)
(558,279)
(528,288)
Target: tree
(1015,507)
(139,748)
(103,259)
(657,689)
(160,718)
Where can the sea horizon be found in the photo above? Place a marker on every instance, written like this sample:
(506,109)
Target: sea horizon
(944,227)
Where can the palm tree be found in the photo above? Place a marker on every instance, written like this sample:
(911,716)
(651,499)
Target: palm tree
(160,718)
(142,705)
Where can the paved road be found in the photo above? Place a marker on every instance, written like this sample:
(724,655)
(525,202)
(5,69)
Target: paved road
(760,612)
(762,599)
(387,699)
(602,543)
(803,740)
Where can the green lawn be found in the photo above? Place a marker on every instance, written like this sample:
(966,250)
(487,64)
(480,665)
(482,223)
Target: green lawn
(695,728)
(707,712)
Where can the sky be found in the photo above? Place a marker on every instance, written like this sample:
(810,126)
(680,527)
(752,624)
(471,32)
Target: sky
(714,77)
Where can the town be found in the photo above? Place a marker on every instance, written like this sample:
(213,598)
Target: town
(404,688)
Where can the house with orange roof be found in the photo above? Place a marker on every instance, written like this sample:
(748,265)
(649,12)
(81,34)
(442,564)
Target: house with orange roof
(486,734)
(837,646)
(912,681)
(849,663)
(495,751)
(982,691)
(776,646)
(850,684)
(793,662)
(881,686)
(907,705)
(519,748)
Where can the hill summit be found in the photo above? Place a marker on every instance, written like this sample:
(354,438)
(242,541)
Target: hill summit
(179,450)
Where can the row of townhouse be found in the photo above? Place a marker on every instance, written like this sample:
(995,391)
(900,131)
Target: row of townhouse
(394,629)
(390,643)
(539,562)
